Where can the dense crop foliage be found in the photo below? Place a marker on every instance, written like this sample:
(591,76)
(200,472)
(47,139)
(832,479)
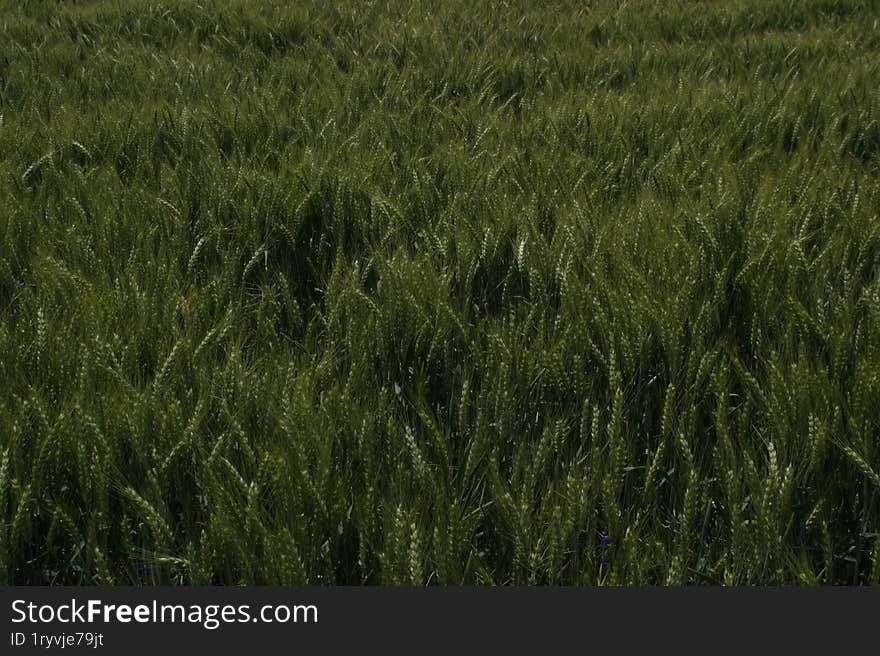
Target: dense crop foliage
(440,292)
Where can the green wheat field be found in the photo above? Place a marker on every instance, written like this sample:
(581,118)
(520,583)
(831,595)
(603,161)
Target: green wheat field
(440,292)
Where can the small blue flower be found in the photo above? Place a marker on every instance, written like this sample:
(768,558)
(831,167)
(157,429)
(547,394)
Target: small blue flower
(605,538)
